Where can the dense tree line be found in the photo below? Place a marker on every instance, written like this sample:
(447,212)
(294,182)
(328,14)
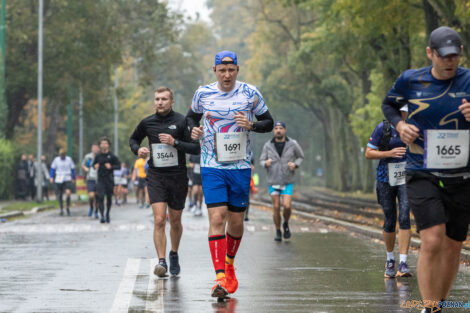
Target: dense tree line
(323,66)
(336,59)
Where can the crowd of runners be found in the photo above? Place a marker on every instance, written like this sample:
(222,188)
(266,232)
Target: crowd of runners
(206,156)
(422,144)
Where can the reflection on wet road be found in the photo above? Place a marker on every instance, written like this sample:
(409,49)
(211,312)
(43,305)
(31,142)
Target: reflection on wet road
(58,264)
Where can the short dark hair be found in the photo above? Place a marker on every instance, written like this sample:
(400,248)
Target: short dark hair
(104,138)
(163,89)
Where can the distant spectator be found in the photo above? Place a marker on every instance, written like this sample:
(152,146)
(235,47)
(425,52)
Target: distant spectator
(31,177)
(21,190)
(42,175)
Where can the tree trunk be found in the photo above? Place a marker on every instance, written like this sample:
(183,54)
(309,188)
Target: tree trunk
(16,103)
(431,18)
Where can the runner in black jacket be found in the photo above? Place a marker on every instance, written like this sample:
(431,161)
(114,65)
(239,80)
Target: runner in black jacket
(170,139)
(105,163)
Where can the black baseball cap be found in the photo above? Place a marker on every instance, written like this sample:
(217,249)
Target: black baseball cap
(445,41)
(280,123)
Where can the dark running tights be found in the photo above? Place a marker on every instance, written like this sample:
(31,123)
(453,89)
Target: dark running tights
(59,194)
(109,202)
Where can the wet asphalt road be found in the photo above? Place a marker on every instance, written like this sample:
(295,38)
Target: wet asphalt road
(51,263)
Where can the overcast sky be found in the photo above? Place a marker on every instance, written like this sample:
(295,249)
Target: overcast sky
(190,7)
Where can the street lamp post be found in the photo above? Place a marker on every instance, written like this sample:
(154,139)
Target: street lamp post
(116,116)
(80,128)
(40,13)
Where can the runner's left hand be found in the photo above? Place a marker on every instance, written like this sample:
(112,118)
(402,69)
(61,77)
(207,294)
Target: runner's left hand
(242,121)
(167,139)
(107,165)
(291,166)
(465,109)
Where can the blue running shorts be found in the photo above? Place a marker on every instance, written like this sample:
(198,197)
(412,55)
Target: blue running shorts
(276,190)
(229,188)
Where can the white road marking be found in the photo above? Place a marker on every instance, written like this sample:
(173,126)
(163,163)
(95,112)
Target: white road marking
(250,228)
(154,289)
(305,229)
(265,227)
(124,293)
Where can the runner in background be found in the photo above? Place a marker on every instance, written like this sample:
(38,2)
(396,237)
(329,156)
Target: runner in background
(139,175)
(190,195)
(63,176)
(105,163)
(125,177)
(117,174)
(385,145)
(194,164)
(91,177)
(252,189)
(281,156)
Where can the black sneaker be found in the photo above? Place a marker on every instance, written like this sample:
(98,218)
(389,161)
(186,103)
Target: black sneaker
(174,263)
(68,212)
(390,269)
(286,230)
(102,220)
(278,235)
(161,268)
(107,218)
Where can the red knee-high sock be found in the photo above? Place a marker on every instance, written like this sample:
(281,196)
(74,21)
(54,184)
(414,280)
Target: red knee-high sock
(218,247)
(232,247)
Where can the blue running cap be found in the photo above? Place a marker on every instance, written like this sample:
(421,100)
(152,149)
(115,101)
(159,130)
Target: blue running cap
(224,54)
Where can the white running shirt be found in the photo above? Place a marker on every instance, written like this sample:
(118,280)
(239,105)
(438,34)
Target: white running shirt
(218,109)
(63,168)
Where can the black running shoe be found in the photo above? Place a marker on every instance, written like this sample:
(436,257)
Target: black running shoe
(107,218)
(102,220)
(286,230)
(161,268)
(278,235)
(68,212)
(174,263)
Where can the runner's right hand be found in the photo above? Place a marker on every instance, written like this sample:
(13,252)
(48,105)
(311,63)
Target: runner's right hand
(268,162)
(197,132)
(397,152)
(97,166)
(408,132)
(143,152)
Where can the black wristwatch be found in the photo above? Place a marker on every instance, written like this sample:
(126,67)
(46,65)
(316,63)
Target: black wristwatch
(176,143)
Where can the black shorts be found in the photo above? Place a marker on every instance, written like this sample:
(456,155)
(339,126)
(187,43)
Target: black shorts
(91,185)
(438,200)
(63,186)
(141,183)
(197,180)
(171,189)
(190,177)
(105,187)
